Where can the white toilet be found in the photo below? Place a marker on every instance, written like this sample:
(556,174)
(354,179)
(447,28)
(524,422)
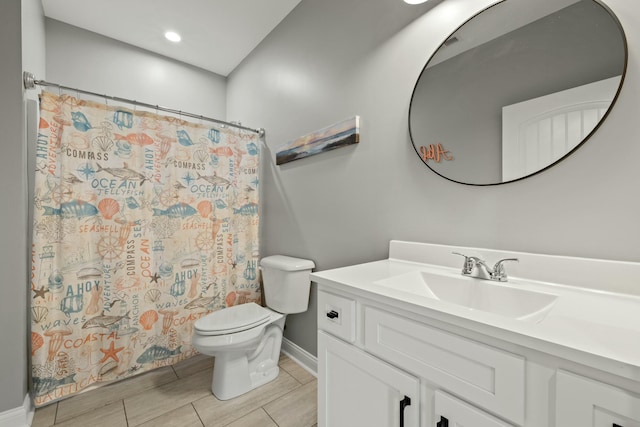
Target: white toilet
(245,339)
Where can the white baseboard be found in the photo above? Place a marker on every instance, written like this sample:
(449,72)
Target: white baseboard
(18,417)
(300,356)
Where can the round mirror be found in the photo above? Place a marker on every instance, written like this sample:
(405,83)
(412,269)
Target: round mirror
(516,89)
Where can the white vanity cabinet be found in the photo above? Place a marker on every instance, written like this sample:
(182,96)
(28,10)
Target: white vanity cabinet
(535,352)
(583,401)
(486,376)
(361,390)
(378,366)
(371,363)
(451,412)
(358,389)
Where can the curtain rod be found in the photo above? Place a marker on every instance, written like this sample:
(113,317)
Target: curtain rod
(30,82)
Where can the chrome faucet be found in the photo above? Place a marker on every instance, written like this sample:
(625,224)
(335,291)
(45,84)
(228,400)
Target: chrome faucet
(476,267)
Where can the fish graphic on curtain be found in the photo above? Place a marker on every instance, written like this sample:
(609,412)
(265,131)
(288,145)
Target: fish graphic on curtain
(142,224)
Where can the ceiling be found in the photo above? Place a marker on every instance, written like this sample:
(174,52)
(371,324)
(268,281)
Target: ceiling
(493,25)
(216,34)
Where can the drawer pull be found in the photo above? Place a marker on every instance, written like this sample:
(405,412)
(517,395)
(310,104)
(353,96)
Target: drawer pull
(616,425)
(332,314)
(443,422)
(403,404)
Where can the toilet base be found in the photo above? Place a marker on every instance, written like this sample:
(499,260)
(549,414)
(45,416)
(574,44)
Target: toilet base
(236,373)
(231,377)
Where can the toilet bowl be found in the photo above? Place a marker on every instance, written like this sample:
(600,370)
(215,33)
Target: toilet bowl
(246,339)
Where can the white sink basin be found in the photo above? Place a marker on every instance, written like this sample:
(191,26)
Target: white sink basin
(475,294)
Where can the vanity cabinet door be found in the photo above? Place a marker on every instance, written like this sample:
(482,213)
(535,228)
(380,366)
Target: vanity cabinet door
(451,412)
(584,402)
(359,390)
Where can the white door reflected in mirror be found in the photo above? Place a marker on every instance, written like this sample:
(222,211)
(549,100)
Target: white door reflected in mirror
(538,132)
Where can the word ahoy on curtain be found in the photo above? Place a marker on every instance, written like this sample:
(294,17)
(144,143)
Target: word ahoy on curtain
(142,224)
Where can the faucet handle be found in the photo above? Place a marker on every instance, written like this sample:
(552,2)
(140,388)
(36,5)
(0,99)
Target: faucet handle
(469,262)
(499,273)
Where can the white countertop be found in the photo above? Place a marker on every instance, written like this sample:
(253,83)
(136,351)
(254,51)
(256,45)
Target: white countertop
(594,327)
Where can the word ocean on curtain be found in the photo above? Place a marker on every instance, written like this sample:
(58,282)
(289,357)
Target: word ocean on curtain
(142,224)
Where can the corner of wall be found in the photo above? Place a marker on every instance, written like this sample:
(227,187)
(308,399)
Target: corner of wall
(21,416)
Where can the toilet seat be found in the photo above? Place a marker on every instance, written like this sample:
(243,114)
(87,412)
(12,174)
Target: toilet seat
(233,319)
(211,342)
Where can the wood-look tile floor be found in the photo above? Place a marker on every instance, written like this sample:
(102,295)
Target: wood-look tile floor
(180,396)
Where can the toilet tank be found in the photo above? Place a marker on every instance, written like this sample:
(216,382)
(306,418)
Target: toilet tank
(286,283)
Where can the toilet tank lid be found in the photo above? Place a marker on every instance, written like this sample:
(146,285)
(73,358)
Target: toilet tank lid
(287,263)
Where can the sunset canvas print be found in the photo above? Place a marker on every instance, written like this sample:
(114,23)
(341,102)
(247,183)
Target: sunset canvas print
(341,134)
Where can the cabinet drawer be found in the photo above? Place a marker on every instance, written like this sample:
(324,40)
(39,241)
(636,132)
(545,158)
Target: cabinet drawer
(458,413)
(485,376)
(336,315)
(585,402)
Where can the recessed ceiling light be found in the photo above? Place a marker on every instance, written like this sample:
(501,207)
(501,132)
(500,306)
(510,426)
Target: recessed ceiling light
(173,36)
(415,1)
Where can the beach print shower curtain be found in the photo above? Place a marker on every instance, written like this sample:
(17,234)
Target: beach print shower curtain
(142,224)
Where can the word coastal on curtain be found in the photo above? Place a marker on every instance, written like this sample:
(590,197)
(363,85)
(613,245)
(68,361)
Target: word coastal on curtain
(142,224)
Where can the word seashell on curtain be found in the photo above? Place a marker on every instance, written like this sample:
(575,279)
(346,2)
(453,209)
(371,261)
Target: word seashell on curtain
(142,224)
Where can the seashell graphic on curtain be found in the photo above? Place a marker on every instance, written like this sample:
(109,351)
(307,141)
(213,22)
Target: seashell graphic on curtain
(142,224)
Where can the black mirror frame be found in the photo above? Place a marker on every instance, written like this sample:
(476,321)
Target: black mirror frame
(602,120)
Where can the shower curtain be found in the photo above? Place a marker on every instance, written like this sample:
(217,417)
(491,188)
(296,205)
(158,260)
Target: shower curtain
(142,224)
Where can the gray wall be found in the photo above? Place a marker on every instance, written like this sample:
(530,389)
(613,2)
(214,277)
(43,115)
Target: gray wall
(13,223)
(33,61)
(86,60)
(332,59)
(33,41)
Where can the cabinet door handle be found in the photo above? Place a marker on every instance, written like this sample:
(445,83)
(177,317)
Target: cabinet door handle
(616,425)
(332,314)
(403,404)
(443,422)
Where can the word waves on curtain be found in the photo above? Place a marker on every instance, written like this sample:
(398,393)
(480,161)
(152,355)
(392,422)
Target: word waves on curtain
(142,224)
